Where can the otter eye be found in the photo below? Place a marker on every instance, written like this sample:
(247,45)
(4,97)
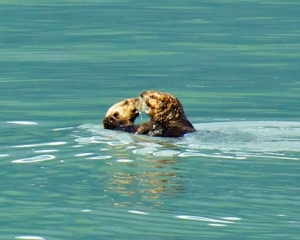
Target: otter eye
(116,114)
(134,111)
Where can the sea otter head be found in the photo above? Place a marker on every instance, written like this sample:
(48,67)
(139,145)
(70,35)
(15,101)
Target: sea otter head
(161,107)
(122,113)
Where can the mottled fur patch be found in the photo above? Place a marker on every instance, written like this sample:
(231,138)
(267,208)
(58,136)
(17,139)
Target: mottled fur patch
(121,115)
(166,114)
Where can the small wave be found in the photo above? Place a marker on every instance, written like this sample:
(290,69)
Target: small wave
(22,122)
(205,155)
(46,151)
(138,212)
(63,129)
(211,221)
(166,153)
(40,158)
(145,150)
(83,154)
(99,157)
(39,145)
(29,238)
(124,160)
(86,210)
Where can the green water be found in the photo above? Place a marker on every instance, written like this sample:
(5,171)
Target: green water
(233,64)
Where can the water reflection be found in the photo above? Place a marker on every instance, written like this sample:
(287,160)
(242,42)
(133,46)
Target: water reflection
(161,179)
(107,174)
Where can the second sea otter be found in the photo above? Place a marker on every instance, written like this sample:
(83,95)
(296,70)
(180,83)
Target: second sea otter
(166,115)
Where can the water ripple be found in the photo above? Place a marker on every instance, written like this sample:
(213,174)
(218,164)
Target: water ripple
(138,212)
(219,140)
(145,150)
(29,238)
(39,145)
(124,160)
(99,157)
(22,122)
(212,221)
(40,158)
(166,153)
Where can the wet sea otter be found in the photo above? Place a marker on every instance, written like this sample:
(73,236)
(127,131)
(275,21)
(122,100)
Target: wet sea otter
(167,118)
(166,115)
(121,117)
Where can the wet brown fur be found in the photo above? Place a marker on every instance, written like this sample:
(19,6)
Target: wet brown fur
(121,115)
(166,113)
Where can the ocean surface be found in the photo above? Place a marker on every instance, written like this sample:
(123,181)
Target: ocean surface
(235,67)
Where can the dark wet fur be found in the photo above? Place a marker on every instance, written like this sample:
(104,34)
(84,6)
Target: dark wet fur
(167,116)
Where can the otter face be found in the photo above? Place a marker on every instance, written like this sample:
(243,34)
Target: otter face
(160,106)
(122,113)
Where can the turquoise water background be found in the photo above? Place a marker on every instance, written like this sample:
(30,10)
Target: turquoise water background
(233,64)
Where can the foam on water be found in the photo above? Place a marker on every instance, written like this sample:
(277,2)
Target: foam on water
(222,140)
(244,139)
(219,140)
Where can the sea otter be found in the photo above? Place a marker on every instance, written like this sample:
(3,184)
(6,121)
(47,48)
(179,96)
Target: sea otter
(121,116)
(167,117)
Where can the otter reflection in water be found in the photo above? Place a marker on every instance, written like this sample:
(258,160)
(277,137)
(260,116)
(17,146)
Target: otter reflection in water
(133,188)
